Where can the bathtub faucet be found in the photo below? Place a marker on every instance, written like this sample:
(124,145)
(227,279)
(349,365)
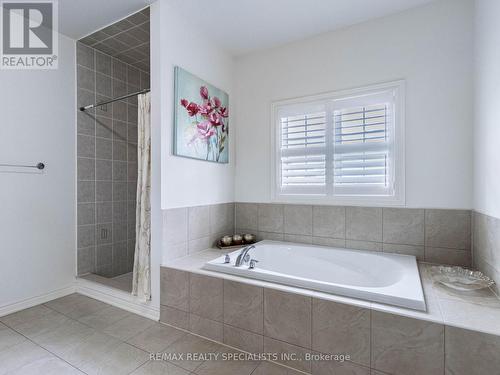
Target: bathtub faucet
(243,258)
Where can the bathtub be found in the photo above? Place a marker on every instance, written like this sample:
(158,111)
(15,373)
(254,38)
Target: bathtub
(379,277)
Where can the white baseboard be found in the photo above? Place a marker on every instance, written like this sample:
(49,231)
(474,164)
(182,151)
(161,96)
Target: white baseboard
(117,298)
(112,296)
(30,302)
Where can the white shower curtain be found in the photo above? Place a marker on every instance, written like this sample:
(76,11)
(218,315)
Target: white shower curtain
(141,285)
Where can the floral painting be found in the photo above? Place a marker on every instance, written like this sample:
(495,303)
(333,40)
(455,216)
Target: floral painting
(201,121)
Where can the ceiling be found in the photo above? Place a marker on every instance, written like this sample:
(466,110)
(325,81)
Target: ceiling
(127,40)
(80,18)
(239,26)
(242,26)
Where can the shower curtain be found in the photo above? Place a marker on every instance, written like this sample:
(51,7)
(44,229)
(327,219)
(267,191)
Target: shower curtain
(141,284)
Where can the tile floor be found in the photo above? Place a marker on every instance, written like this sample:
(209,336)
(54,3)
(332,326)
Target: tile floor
(79,335)
(122,282)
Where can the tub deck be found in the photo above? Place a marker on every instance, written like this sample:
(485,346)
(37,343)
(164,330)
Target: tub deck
(477,311)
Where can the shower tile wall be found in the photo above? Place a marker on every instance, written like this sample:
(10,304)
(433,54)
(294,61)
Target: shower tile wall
(107,163)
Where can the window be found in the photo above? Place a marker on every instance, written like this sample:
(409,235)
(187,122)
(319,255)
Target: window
(341,147)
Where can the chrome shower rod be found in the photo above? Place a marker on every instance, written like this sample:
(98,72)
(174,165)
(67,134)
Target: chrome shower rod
(99,104)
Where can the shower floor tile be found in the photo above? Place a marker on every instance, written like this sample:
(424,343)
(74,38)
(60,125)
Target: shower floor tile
(122,282)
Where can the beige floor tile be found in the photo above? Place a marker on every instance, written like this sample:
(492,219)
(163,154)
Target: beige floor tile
(64,337)
(92,349)
(76,306)
(191,344)
(122,359)
(35,321)
(160,368)
(9,338)
(129,327)
(327,367)
(156,338)
(47,366)
(268,368)
(226,366)
(102,319)
(21,355)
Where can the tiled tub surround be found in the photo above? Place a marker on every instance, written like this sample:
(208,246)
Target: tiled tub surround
(459,334)
(107,163)
(486,245)
(188,230)
(432,235)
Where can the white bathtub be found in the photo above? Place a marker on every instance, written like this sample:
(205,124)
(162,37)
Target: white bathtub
(379,277)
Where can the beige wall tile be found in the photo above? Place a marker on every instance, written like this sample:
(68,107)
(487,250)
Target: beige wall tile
(244,306)
(287,317)
(363,245)
(470,352)
(403,226)
(298,238)
(246,215)
(206,296)
(175,225)
(329,221)
(174,290)
(448,256)
(270,218)
(448,228)
(339,328)
(222,218)
(364,223)
(198,222)
(270,236)
(406,346)
(285,351)
(244,340)
(416,251)
(174,317)
(298,219)
(331,242)
(206,327)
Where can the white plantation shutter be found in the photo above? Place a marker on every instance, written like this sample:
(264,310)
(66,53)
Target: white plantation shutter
(338,146)
(363,145)
(303,147)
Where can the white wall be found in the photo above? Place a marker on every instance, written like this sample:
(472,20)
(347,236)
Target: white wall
(37,211)
(430,47)
(186,182)
(487,103)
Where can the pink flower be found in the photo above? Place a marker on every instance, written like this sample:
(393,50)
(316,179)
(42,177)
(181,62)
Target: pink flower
(192,109)
(205,130)
(206,108)
(184,103)
(216,101)
(215,119)
(223,112)
(204,92)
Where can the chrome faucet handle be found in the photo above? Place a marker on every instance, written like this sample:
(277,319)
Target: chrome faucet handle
(252,264)
(227,259)
(246,258)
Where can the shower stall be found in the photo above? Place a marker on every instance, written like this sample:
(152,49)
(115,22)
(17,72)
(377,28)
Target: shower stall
(113,67)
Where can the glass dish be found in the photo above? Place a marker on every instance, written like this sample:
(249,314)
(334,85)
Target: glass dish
(461,278)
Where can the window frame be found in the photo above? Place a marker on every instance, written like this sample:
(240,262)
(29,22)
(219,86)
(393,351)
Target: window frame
(397,199)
